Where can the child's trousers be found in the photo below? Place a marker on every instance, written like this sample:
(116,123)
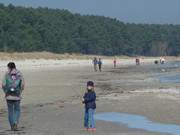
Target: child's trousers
(89,121)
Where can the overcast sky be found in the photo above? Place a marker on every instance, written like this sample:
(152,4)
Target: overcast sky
(133,11)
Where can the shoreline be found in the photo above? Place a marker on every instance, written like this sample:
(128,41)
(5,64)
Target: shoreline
(46,63)
(54,89)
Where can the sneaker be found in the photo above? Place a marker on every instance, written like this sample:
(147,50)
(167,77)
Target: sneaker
(93,129)
(12,127)
(15,127)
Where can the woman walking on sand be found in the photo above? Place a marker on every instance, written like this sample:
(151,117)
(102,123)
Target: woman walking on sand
(13,85)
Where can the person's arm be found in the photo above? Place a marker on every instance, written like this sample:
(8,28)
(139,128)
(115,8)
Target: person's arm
(4,83)
(83,99)
(22,82)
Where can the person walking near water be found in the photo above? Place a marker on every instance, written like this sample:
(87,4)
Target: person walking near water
(89,99)
(137,61)
(100,64)
(13,85)
(114,62)
(95,62)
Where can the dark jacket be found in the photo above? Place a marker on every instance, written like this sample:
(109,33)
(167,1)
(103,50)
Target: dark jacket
(90,100)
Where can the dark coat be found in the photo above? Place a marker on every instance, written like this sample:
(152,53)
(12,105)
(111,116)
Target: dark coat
(90,100)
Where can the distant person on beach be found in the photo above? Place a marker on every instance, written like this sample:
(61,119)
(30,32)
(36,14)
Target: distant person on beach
(137,61)
(162,60)
(95,62)
(89,99)
(13,85)
(115,62)
(100,64)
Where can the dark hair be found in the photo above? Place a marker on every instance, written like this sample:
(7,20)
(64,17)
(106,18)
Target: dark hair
(11,65)
(90,83)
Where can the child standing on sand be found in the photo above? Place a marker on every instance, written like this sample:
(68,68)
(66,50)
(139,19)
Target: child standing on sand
(89,99)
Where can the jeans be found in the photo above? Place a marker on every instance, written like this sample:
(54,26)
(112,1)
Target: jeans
(89,121)
(13,111)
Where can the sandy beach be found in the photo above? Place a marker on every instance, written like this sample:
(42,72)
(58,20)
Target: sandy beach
(54,88)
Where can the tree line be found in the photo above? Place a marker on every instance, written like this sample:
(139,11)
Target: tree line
(60,31)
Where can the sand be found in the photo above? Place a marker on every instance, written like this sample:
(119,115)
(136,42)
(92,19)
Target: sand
(54,88)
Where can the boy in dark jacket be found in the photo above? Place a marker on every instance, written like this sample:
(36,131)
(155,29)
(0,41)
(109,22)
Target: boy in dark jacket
(89,99)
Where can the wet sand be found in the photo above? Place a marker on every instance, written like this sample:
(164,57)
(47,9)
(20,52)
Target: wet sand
(52,99)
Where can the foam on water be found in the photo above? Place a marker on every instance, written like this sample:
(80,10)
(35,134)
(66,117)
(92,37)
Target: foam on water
(138,122)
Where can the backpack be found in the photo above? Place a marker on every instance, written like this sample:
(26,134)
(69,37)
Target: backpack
(13,84)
